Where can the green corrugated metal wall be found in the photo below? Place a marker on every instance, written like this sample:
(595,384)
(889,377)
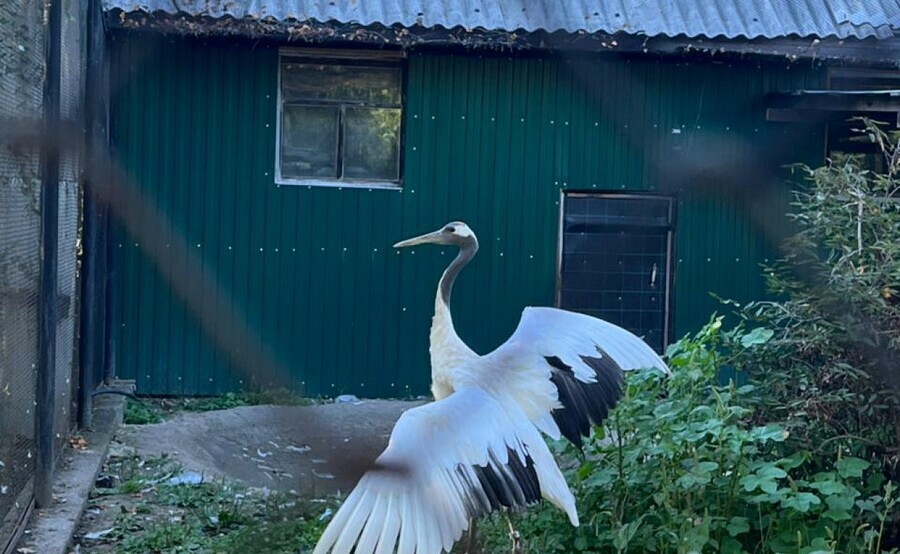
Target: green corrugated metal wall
(490,140)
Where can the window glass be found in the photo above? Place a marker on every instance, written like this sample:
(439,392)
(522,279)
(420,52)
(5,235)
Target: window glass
(371,143)
(309,141)
(340,120)
(373,85)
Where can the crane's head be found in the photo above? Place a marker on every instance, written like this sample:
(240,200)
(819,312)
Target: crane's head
(455,233)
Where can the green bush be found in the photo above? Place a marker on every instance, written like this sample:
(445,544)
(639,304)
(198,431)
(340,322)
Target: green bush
(831,372)
(686,467)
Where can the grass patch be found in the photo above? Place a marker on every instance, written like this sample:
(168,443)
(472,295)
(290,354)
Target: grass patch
(144,512)
(281,397)
(155,410)
(212,403)
(141,413)
(277,397)
(217,517)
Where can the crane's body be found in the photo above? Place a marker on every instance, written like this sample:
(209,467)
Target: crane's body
(478,447)
(448,352)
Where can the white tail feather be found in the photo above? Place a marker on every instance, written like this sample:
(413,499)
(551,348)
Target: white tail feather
(391,529)
(360,511)
(374,524)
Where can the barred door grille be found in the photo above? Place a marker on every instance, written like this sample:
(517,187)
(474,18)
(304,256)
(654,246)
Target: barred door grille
(615,261)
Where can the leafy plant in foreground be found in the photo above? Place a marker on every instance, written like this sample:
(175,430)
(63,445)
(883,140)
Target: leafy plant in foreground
(684,467)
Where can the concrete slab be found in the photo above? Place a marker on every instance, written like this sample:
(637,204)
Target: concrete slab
(313,450)
(50,530)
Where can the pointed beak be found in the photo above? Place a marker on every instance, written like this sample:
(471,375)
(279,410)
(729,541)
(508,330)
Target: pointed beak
(432,238)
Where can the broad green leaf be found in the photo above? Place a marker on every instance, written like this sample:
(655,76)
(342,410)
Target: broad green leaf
(753,482)
(840,506)
(665,409)
(601,477)
(760,335)
(783,542)
(584,470)
(837,515)
(625,533)
(731,546)
(793,461)
(801,501)
(750,482)
(851,467)
(691,479)
(737,525)
(769,433)
(673,350)
(819,545)
(769,485)
(703,410)
(828,487)
(841,501)
(771,471)
(765,478)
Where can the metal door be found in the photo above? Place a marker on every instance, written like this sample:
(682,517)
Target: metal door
(615,261)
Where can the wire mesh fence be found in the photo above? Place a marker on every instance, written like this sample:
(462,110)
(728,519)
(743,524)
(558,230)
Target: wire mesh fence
(23,72)
(72,86)
(21,76)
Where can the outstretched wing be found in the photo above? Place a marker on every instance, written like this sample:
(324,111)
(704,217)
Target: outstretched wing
(563,369)
(446,462)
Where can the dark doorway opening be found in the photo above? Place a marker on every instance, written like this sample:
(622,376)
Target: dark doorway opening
(615,261)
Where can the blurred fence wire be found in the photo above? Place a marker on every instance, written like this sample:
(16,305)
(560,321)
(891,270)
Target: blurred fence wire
(32,86)
(43,196)
(30,142)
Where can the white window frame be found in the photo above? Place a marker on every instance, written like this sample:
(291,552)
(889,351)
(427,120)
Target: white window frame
(337,55)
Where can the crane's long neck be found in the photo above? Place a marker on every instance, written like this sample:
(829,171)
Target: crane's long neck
(447,349)
(466,253)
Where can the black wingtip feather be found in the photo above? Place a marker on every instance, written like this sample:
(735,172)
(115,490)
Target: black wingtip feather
(585,404)
(504,485)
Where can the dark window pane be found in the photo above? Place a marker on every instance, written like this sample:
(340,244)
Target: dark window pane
(374,85)
(371,143)
(309,142)
(589,214)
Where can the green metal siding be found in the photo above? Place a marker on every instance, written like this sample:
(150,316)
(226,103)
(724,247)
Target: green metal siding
(490,140)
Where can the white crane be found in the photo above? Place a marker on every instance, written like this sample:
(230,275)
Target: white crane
(478,447)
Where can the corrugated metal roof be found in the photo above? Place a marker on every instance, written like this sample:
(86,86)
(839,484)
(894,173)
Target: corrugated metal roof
(693,18)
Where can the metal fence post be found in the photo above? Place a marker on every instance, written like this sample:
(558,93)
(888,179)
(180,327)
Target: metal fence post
(93,298)
(45,393)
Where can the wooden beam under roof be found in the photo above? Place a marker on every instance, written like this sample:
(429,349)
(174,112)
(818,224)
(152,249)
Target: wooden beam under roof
(819,105)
